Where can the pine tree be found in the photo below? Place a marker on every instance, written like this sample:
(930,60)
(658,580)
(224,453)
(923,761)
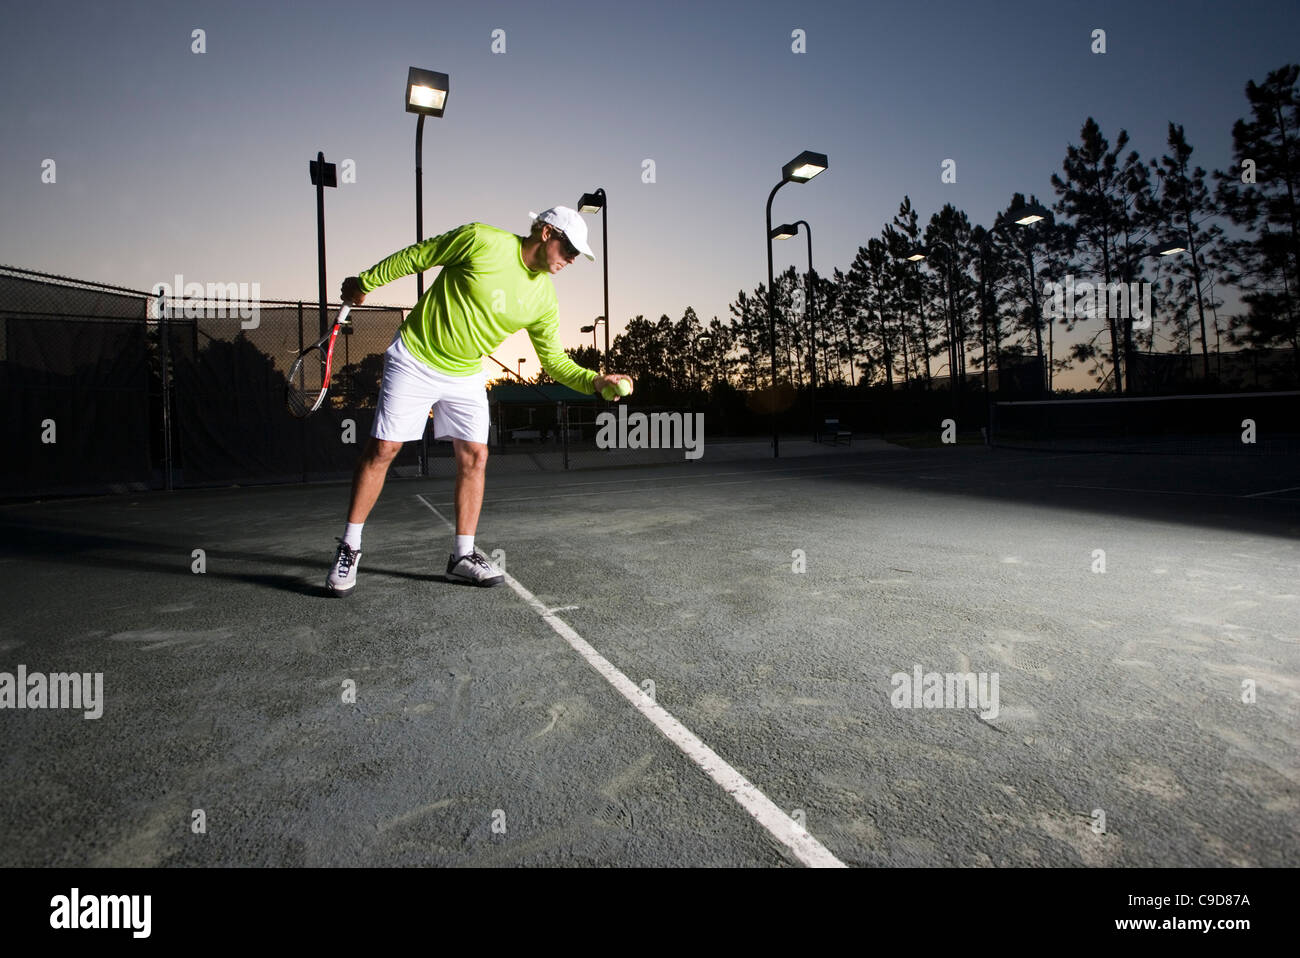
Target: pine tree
(1092,194)
(948,240)
(1183,207)
(1261,194)
(914,287)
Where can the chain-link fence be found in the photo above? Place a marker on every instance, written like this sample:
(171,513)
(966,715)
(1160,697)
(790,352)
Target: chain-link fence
(78,386)
(112,389)
(227,389)
(585,432)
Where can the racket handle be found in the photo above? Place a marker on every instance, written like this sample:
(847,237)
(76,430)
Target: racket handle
(343,313)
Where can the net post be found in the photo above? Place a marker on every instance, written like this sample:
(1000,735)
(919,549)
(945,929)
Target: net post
(164,334)
(562,418)
(302,423)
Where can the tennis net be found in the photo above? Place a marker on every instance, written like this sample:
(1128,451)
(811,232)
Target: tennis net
(1218,424)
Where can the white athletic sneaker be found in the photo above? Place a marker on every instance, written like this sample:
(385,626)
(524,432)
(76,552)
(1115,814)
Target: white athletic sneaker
(474,569)
(343,577)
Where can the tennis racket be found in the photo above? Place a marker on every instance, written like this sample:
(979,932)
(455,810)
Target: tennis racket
(309,377)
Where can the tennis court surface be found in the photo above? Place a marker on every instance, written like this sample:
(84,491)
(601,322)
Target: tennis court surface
(1144,715)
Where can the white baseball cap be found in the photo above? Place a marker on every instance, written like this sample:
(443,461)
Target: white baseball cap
(571,224)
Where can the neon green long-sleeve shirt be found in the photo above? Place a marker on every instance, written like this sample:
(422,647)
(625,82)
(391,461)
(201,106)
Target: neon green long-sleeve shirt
(483,294)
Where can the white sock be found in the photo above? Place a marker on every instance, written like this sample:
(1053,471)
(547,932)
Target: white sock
(464,545)
(352,534)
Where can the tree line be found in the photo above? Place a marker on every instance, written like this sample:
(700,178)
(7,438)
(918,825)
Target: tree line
(974,306)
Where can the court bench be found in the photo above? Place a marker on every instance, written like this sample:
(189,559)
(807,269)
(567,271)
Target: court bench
(833,435)
(552,434)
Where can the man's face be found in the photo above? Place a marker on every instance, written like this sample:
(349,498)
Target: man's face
(559,251)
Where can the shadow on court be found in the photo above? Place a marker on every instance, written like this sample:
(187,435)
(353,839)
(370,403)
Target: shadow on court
(42,542)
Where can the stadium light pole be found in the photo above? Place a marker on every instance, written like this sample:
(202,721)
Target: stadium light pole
(322,175)
(1173,248)
(1190,246)
(426,95)
(695,357)
(799,170)
(592,203)
(522,360)
(1218,348)
(1028,215)
(783,233)
(914,256)
(984,238)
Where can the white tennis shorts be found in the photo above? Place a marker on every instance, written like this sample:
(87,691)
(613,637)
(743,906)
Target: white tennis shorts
(410,387)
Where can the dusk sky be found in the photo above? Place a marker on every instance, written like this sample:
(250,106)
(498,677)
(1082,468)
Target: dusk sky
(170,161)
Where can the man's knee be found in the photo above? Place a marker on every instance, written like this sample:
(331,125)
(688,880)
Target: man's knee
(382,451)
(471,456)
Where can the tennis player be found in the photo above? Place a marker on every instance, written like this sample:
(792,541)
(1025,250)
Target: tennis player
(493,283)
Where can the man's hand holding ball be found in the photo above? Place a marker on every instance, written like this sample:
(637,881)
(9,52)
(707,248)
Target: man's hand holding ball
(614,386)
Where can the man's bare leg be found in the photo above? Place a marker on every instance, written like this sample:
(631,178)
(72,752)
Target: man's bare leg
(368,479)
(471,467)
(468,564)
(367,482)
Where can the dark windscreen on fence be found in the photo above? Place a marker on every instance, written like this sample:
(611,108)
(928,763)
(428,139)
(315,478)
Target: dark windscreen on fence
(75,379)
(1228,424)
(231,422)
(96,400)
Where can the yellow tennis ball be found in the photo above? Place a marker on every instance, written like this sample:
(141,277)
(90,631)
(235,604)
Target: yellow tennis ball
(608,393)
(624,387)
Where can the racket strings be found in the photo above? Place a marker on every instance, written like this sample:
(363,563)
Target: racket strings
(306,385)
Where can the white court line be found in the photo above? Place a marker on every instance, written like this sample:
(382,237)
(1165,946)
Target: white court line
(596,492)
(437,513)
(706,475)
(847,468)
(766,812)
(1271,492)
(740,482)
(1162,492)
(691,476)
